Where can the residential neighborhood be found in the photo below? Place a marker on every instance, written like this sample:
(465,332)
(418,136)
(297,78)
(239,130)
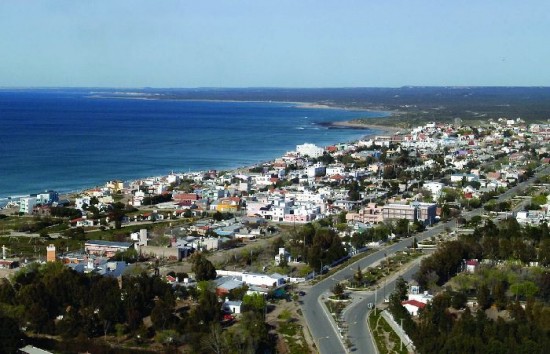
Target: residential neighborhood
(265,231)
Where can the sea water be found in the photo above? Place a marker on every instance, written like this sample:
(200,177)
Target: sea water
(69,140)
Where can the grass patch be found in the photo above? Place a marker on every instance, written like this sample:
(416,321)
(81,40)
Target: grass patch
(336,308)
(285,315)
(288,328)
(387,341)
(293,336)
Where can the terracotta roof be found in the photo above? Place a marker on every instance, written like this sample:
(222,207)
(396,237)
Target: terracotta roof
(415,303)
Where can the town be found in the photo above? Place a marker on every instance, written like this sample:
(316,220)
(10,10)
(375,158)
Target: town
(229,261)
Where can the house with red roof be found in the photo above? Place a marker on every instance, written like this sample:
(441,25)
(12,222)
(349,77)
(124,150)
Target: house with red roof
(83,222)
(413,306)
(472,265)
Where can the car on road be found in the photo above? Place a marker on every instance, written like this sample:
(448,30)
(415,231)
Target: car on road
(301,293)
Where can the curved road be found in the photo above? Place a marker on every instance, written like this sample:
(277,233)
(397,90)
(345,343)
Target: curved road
(323,327)
(356,315)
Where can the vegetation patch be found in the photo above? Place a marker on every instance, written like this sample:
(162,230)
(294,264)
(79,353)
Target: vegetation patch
(387,341)
(292,333)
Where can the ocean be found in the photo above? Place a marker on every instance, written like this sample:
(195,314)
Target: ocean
(68,140)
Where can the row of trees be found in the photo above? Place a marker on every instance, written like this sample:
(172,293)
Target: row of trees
(318,245)
(441,328)
(446,325)
(506,241)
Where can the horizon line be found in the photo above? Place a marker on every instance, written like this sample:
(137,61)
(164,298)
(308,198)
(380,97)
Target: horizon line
(263,87)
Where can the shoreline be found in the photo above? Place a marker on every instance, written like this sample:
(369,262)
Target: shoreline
(350,124)
(296,104)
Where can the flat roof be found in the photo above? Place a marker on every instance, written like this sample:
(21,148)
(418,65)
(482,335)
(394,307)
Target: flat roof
(108,243)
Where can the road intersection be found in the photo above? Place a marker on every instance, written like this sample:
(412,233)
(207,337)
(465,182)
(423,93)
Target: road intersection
(323,328)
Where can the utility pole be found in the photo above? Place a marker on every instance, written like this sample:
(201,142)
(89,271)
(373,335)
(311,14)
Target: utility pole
(375,300)
(401,347)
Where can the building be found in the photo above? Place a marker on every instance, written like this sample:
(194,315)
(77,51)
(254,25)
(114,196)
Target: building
(263,280)
(225,284)
(227,205)
(26,204)
(310,150)
(50,253)
(115,186)
(416,295)
(283,256)
(185,199)
(369,214)
(472,265)
(413,306)
(106,248)
(316,170)
(421,212)
(434,187)
(47,197)
(232,306)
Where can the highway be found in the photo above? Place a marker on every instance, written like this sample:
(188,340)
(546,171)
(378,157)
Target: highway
(321,325)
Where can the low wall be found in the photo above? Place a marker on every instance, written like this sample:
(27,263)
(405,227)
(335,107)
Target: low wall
(162,252)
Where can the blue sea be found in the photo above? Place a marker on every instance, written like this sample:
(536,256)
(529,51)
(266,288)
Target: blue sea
(68,140)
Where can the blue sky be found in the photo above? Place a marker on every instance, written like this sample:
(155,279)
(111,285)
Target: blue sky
(282,43)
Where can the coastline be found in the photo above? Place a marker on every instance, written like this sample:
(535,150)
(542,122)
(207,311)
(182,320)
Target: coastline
(351,124)
(296,104)
(354,123)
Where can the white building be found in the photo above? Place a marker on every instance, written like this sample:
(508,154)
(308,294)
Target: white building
(316,170)
(26,204)
(47,197)
(282,256)
(413,306)
(232,306)
(310,150)
(434,187)
(416,295)
(80,202)
(263,280)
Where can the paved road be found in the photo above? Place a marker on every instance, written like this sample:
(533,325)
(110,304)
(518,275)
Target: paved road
(323,327)
(356,315)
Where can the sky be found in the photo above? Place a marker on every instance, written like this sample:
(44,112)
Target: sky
(268,43)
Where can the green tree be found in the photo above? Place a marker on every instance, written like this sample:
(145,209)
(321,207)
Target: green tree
(401,288)
(402,227)
(10,335)
(358,276)
(161,314)
(525,289)
(458,300)
(338,290)
(254,302)
(484,297)
(202,267)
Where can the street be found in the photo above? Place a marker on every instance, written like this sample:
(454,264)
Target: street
(323,327)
